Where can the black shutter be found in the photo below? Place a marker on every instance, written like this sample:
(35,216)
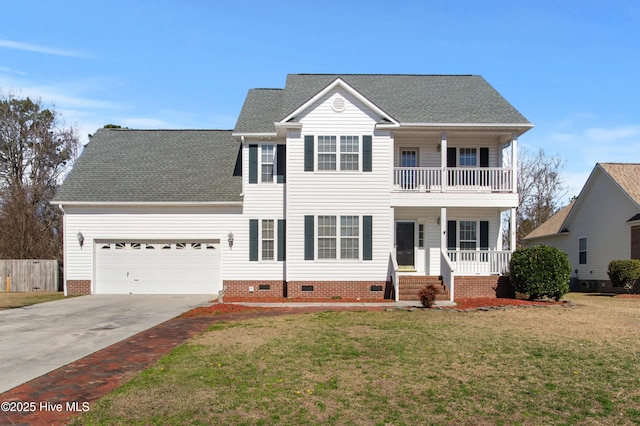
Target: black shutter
(282,242)
(484,235)
(484,157)
(281,163)
(253,240)
(451,157)
(253,163)
(308,238)
(367,237)
(308,153)
(366,153)
(451,235)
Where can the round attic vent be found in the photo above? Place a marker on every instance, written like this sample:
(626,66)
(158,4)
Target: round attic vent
(339,104)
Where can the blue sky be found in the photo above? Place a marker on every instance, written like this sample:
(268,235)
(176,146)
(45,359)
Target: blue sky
(571,67)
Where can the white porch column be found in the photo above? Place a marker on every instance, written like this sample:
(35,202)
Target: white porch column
(512,228)
(443,161)
(443,229)
(514,161)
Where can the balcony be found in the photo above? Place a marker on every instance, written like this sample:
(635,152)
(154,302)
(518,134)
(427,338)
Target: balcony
(453,179)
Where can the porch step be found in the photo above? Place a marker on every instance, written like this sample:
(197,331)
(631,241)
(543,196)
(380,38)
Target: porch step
(410,285)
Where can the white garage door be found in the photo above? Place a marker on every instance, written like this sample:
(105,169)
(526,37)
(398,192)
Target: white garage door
(158,267)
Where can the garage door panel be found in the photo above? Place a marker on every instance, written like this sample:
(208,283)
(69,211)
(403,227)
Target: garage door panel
(158,268)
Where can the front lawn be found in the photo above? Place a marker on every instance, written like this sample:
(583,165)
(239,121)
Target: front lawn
(536,365)
(18,300)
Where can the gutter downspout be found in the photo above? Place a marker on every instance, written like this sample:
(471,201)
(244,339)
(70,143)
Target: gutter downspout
(64,250)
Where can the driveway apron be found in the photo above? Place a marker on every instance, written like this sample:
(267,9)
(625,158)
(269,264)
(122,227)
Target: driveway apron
(39,338)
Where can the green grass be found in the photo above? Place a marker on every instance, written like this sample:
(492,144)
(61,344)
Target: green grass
(513,367)
(18,300)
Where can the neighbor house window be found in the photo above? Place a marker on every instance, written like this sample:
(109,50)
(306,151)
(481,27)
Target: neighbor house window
(267,161)
(349,237)
(582,251)
(349,152)
(327,153)
(327,237)
(268,240)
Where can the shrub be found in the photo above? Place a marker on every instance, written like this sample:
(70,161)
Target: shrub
(427,295)
(624,273)
(540,271)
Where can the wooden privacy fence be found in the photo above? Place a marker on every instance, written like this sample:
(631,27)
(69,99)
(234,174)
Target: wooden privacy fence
(29,275)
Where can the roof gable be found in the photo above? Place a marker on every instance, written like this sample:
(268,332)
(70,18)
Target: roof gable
(155,166)
(626,176)
(337,83)
(404,98)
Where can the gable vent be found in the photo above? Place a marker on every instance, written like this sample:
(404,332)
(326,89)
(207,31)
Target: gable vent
(339,104)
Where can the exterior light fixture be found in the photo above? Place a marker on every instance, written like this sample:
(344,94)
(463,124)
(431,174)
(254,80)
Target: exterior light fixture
(80,239)
(230,239)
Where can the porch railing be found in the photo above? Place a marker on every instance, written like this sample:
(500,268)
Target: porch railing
(447,272)
(430,179)
(483,262)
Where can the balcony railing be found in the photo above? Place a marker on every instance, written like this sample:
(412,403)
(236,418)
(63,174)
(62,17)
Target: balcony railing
(436,179)
(483,262)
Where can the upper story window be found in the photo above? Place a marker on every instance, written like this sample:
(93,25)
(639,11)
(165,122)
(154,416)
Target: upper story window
(327,153)
(349,152)
(267,160)
(582,251)
(338,153)
(267,163)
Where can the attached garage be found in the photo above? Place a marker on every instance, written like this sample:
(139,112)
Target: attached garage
(157,267)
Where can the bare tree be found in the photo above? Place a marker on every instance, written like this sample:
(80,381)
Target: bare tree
(540,188)
(35,152)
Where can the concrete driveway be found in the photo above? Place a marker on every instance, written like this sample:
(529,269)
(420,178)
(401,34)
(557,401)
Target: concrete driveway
(39,338)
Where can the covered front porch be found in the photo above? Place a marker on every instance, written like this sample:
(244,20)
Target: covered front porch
(445,242)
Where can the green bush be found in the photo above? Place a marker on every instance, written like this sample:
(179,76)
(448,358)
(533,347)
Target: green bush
(540,271)
(624,273)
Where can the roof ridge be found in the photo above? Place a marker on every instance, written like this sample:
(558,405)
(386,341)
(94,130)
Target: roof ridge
(392,74)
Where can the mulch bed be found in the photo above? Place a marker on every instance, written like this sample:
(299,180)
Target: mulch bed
(493,302)
(628,296)
(462,304)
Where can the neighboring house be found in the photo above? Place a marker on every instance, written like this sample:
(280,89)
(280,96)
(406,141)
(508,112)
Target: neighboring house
(352,186)
(601,225)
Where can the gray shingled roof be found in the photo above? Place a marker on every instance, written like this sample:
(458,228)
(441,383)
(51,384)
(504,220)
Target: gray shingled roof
(458,99)
(155,166)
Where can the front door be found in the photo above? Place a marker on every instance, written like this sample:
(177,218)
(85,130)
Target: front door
(405,244)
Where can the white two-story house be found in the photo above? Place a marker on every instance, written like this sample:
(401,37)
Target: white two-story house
(337,186)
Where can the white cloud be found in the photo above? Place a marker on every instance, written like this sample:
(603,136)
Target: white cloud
(9,44)
(616,133)
(11,71)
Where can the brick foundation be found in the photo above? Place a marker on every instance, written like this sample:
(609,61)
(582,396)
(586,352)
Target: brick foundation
(336,289)
(78,287)
(240,288)
(483,286)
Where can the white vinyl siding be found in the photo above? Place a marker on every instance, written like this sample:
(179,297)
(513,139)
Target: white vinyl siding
(339,194)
